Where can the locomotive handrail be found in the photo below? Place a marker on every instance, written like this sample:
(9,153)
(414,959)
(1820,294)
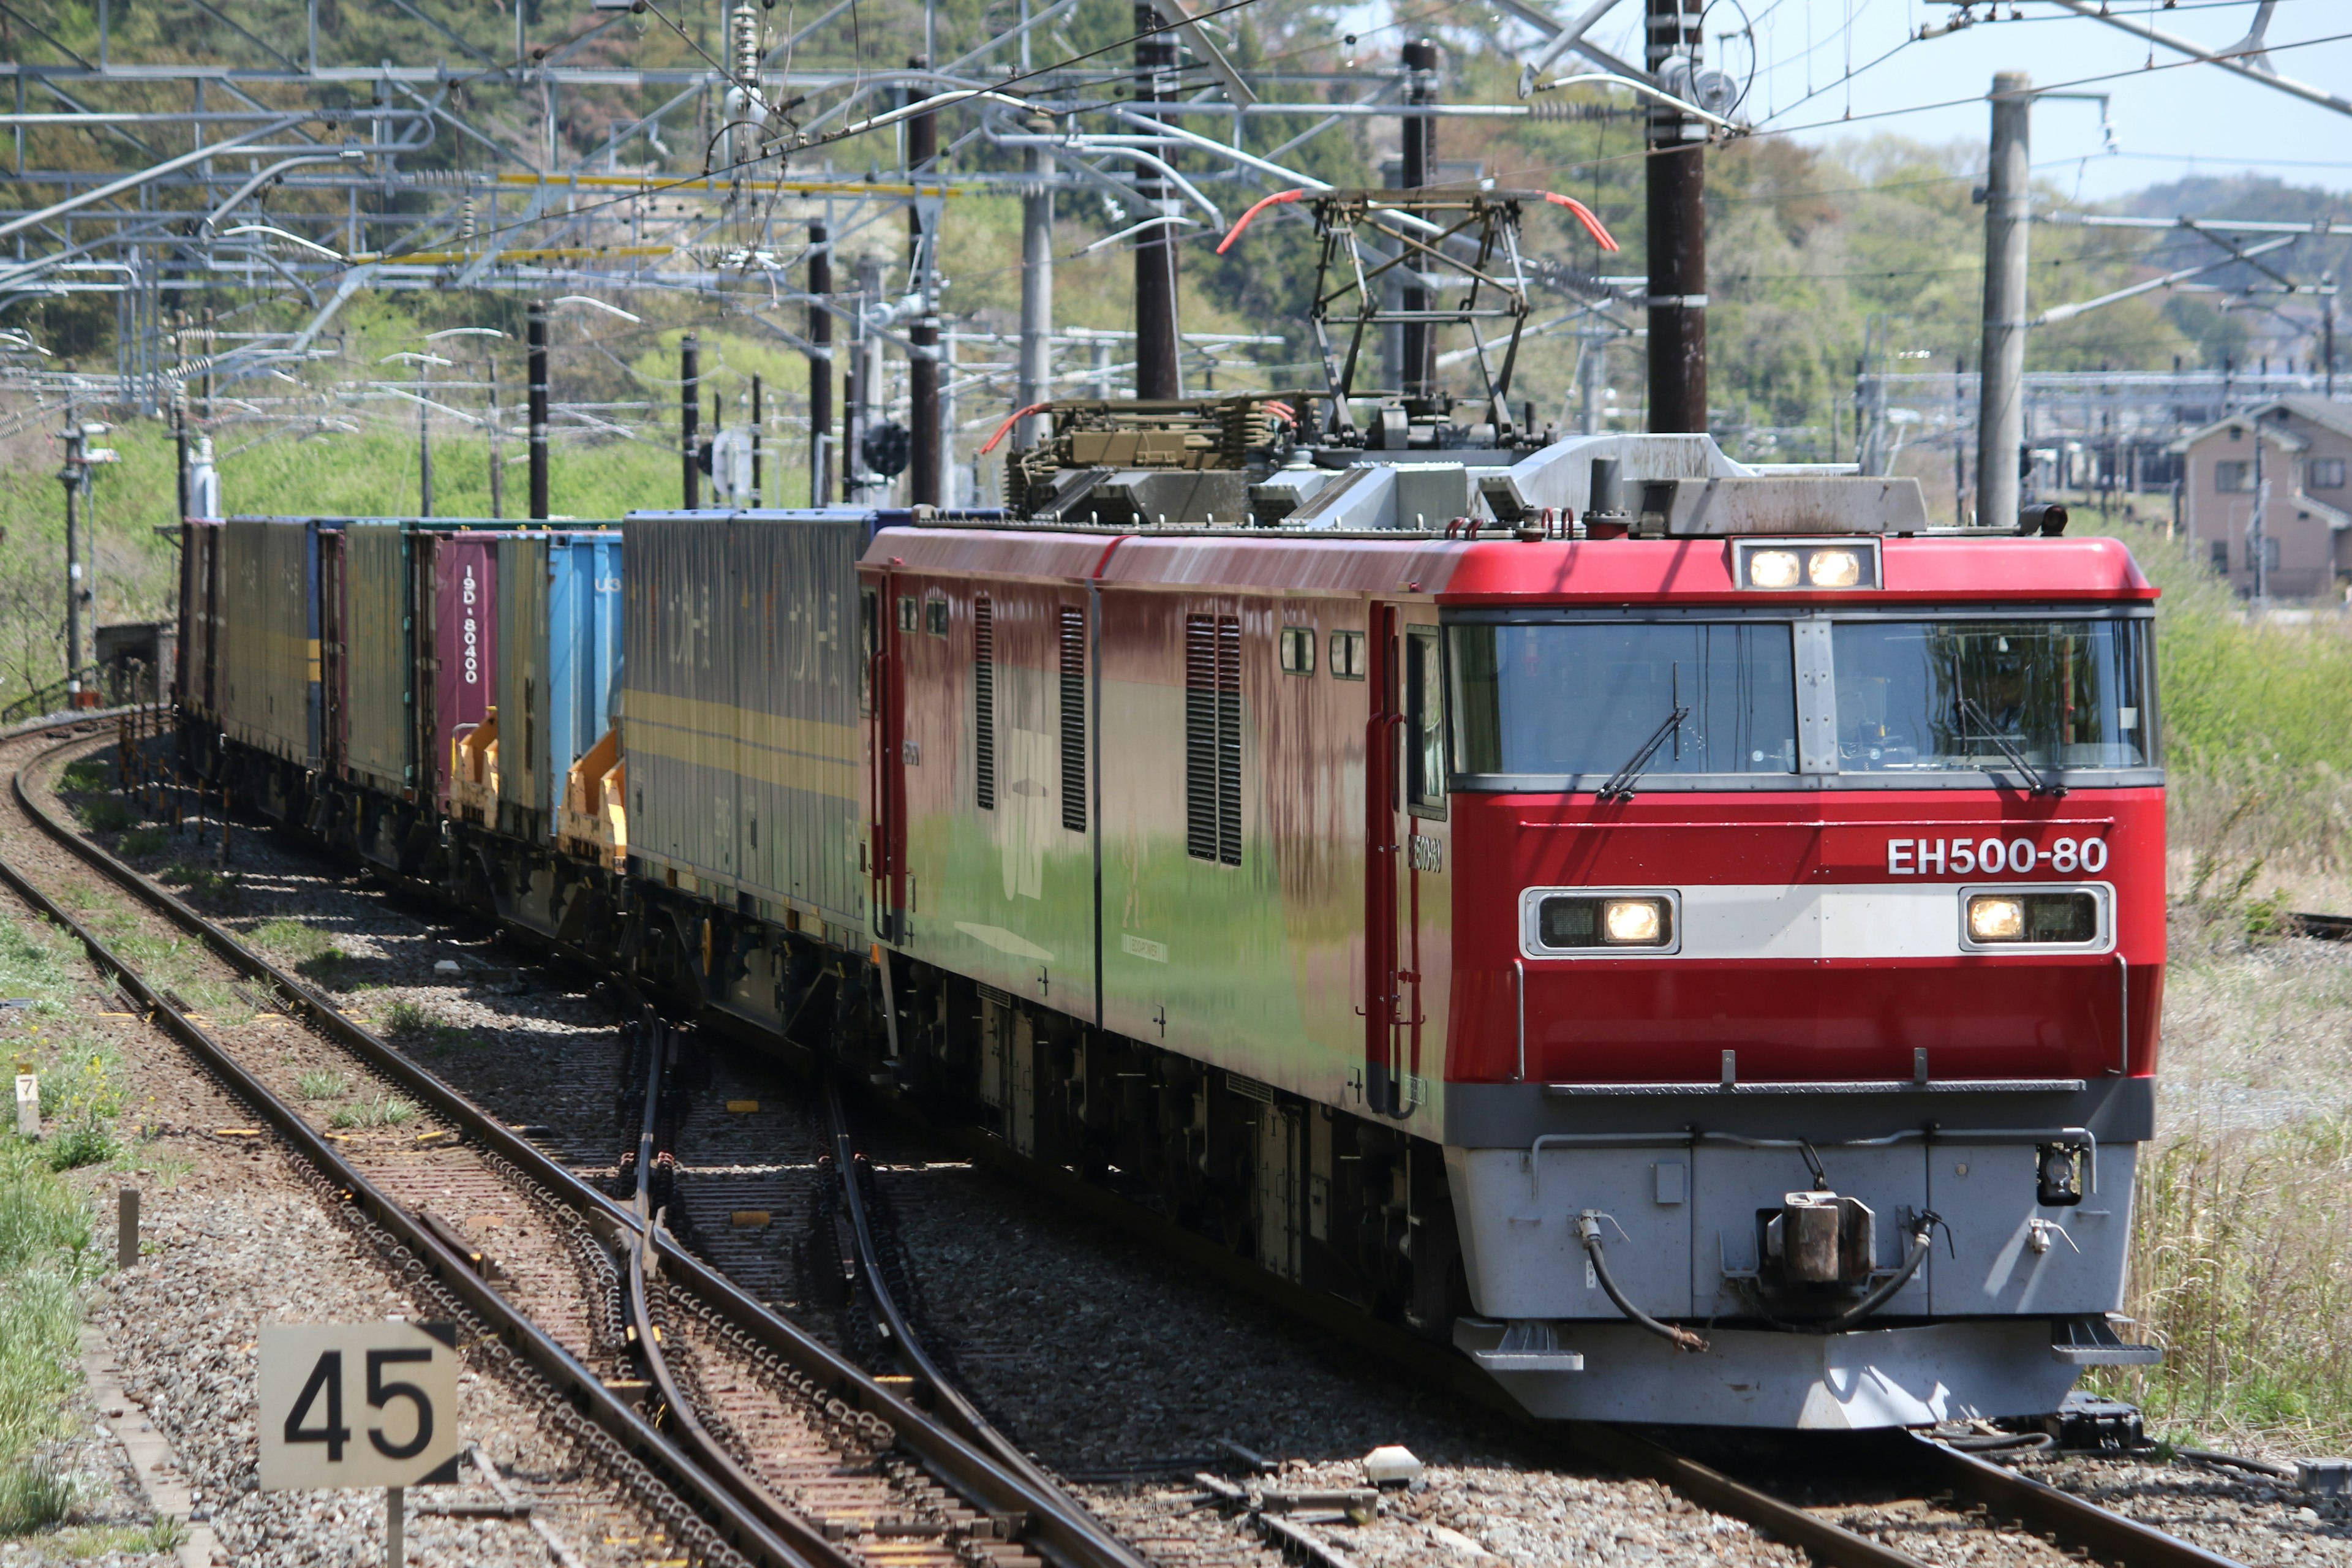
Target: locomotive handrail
(1690,1136)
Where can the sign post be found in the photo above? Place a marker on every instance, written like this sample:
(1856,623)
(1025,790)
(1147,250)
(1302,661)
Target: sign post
(359,1404)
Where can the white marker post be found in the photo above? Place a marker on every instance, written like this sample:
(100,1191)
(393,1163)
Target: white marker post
(359,1404)
(28,1105)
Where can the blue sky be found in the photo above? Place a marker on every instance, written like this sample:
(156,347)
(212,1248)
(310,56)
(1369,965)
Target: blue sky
(1853,57)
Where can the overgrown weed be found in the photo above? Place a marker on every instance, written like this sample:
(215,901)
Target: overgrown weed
(373,1111)
(324,1083)
(2242,1269)
(44,1253)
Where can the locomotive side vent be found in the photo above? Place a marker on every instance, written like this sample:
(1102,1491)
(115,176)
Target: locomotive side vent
(1074,719)
(984,702)
(1212,738)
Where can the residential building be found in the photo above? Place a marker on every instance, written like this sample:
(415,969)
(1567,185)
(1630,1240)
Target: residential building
(2306,537)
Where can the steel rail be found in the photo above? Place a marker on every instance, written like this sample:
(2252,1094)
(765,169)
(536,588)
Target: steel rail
(447,1269)
(1072,1516)
(965,1466)
(2077,1522)
(805,1533)
(1831,1544)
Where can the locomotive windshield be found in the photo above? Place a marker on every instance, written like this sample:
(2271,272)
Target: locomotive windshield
(1572,702)
(1583,697)
(1939,695)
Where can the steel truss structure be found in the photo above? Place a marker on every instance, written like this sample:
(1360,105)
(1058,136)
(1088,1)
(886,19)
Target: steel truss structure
(210,171)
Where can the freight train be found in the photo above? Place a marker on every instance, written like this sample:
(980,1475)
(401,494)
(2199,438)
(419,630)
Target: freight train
(1690,937)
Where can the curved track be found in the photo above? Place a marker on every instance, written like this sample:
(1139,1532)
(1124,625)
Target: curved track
(782,1452)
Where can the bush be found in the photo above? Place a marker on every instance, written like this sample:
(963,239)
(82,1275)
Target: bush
(87,774)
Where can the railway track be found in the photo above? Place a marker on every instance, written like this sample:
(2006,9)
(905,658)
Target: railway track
(1950,1503)
(753,1441)
(782,1447)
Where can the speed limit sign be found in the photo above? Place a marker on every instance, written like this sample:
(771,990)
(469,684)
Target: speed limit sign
(358,1405)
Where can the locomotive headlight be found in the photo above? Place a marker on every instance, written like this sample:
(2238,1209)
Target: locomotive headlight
(1834,568)
(1634,923)
(1784,565)
(2035,919)
(1996,918)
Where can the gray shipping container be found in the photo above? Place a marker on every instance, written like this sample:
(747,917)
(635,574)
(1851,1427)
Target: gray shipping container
(268,628)
(379,730)
(739,703)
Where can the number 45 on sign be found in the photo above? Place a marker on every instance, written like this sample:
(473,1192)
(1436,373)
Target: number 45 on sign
(358,1405)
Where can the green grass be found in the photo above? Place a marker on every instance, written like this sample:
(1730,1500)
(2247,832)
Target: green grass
(36,1493)
(87,774)
(85,1145)
(44,1253)
(324,1083)
(292,938)
(165,1534)
(37,961)
(377,1110)
(105,814)
(219,891)
(144,843)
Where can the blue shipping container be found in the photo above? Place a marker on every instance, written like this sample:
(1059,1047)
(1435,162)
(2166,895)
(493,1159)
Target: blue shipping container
(559,664)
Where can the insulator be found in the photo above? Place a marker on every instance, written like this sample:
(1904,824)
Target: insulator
(747,45)
(465,221)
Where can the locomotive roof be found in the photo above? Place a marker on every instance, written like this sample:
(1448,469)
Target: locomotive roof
(1500,573)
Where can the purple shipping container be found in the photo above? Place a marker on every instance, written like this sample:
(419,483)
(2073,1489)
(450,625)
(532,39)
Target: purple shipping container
(460,652)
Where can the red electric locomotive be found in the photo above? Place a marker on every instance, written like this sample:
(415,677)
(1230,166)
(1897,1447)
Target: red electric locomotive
(1702,959)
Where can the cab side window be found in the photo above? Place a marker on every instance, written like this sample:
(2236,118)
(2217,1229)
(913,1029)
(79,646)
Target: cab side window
(1424,706)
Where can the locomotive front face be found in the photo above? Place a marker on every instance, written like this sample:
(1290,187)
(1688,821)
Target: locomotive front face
(1807,981)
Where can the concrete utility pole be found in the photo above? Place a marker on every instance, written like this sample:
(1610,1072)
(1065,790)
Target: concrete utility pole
(498,447)
(1419,149)
(922,362)
(1036,283)
(180,448)
(2328,331)
(75,473)
(2257,537)
(1158,372)
(1959,448)
(689,415)
(2000,400)
(759,490)
(535,341)
(820,366)
(1677,182)
(1595,380)
(424,436)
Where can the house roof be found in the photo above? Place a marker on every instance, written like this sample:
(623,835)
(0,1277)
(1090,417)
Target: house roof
(2323,412)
